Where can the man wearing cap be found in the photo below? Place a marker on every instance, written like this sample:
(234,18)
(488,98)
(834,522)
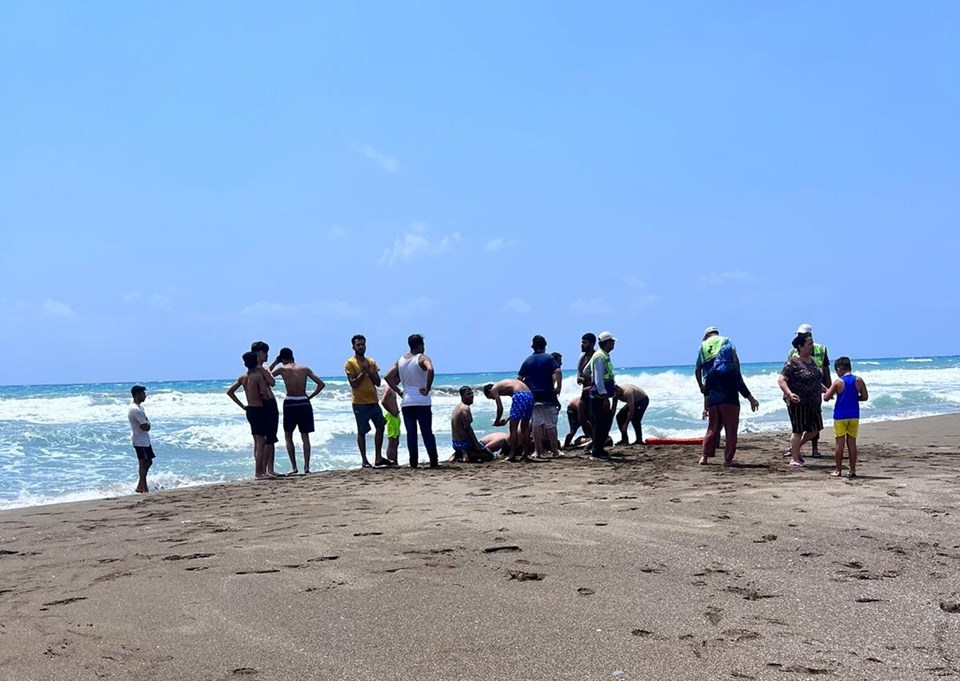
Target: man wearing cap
(709,349)
(601,392)
(823,363)
(140,425)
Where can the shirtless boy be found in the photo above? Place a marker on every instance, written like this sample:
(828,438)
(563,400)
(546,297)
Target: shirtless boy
(466,446)
(388,400)
(521,409)
(297,409)
(256,389)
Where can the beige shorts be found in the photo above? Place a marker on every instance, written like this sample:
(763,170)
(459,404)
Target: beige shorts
(544,415)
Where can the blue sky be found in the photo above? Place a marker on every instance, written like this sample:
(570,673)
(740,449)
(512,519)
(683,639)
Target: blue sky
(179,179)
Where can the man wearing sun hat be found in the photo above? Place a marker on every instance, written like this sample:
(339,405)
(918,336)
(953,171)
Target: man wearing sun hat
(601,392)
(822,361)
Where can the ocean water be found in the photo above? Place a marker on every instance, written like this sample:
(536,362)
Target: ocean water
(72,442)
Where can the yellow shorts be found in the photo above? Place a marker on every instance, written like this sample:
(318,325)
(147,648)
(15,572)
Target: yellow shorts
(393,426)
(845,427)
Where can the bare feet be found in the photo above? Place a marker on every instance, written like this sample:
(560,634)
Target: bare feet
(836,474)
(294,471)
(703,461)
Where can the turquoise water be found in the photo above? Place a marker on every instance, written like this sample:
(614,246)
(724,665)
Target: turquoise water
(61,443)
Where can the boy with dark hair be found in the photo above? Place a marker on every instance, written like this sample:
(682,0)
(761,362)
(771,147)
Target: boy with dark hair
(850,391)
(256,389)
(140,425)
(297,406)
(521,409)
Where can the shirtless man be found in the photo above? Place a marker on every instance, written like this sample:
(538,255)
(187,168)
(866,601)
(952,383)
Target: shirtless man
(574,415)
(521,409)
(256,389)
(271,409)
(297,409)
(497,444)
(635,406)
(388,400)
(466,446)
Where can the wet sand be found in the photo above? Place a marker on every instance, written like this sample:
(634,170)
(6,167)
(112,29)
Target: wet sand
(647,568)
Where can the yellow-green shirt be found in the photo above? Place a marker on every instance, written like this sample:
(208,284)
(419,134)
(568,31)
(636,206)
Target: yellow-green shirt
(367,392)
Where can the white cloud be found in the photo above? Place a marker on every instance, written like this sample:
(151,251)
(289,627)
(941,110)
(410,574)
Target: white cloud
(594,306)
(388,164)
(413,307)
(324,308)
(724,278)
(645,300)
(414,244)
(55,309)
(516,305)
(494,245)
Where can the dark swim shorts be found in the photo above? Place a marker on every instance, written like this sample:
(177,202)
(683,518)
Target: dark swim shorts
(297,414)
(145,453)
(264,421)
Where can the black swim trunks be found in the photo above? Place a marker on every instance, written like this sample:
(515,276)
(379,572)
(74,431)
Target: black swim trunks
(264,420)
(297,414)
(145,453)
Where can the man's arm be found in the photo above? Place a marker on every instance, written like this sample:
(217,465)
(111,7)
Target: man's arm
(497,420)
(427,366)
(826,369)
(393,379)
(862,390)
(232,393)
(557,380)
(267,376)
(316,379)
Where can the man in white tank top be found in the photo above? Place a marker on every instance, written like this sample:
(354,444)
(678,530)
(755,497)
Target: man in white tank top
(415,371)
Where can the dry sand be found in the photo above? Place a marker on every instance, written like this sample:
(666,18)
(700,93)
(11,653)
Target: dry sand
(647,568)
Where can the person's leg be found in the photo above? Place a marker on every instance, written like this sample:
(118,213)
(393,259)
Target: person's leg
(143,465)
(795,441)
(305,440)
(259,465)
(583,412)
(425,421)
(602,420)
(815,453)
(711,440)
(852,450)
(525,435)
(393,444)
(622,426)
(291,451)
(514,440)
(638,413)
(410,423)
(730,416)
(838,455)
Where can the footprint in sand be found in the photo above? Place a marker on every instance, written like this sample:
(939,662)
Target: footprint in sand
(584,591)
(322,558)
(498,549)
(522,576)
(713,615)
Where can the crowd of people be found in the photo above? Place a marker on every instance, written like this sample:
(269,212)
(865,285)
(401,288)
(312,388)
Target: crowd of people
(404,394)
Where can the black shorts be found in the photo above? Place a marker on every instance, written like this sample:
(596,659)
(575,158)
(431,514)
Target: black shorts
(805,417)
(573,418)
(297,414)
(264,421)
(145,453)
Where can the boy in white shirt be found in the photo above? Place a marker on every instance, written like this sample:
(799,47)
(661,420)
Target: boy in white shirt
(140,426)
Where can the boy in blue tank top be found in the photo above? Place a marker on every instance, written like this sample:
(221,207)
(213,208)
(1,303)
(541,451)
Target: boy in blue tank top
(850,391)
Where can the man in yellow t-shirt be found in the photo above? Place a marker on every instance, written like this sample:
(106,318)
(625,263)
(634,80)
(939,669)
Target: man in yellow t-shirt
(364,377)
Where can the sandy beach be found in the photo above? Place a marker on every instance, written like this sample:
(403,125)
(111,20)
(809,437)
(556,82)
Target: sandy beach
(647,568)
